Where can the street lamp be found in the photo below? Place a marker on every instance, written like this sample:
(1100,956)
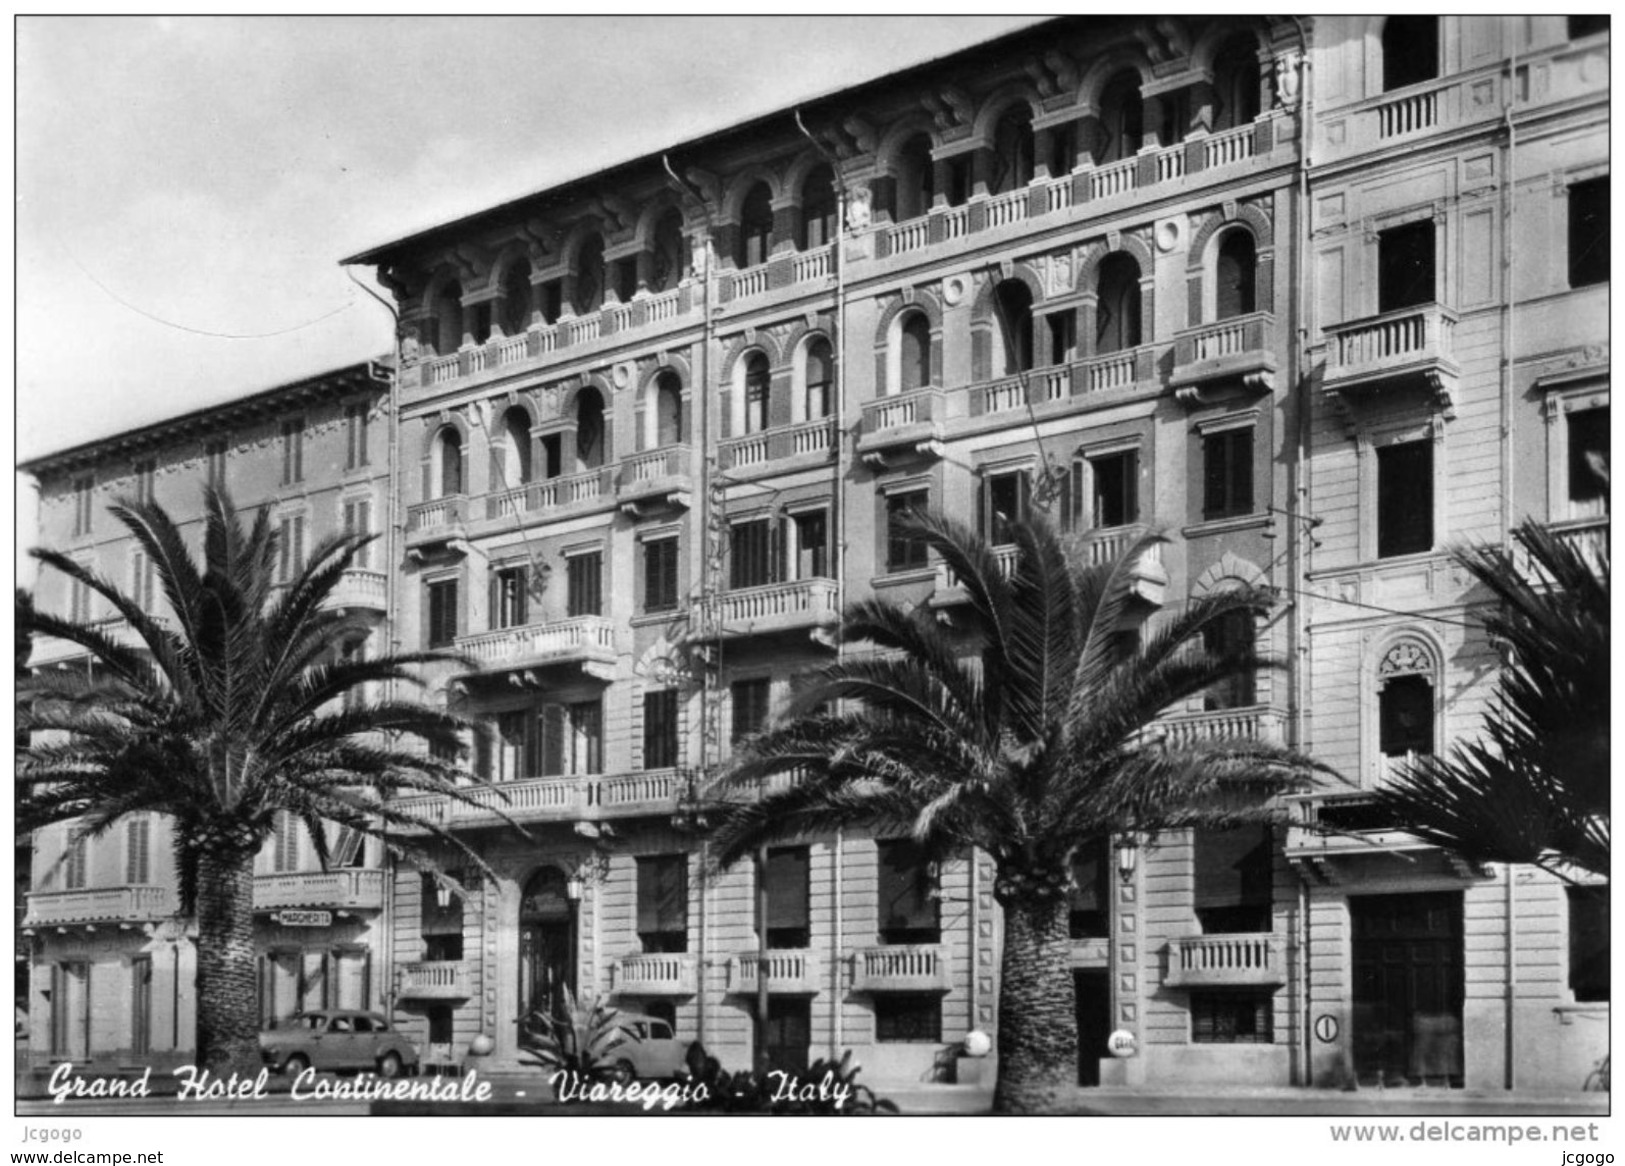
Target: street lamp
(1128,853)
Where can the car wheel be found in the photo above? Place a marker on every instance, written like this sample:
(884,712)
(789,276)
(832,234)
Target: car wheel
(390,1065)
(296,1064)
(624,1072)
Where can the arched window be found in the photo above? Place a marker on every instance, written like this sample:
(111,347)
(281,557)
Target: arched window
(915,184)
(670,260)
(1405,704)
(1117,290)
(817,209)
(448,475)
(1013,149)
(516,298)
(1013,310)
(668,409)
(517,465)
(758,381)
(1236,276)
(590,452)
(1122,117)
(1236,84)
(755,227)
(819,376)
(1410,51)
(448,319)
(589,295)
(914,352)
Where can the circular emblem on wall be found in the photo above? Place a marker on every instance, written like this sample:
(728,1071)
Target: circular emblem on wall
(1325,1028)
(1169,234)
(622,374)
(1122,1043)
(955,287)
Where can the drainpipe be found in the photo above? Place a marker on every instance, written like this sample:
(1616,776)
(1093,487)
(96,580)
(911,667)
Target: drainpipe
(1298,537)
(838,551)
(1509,180)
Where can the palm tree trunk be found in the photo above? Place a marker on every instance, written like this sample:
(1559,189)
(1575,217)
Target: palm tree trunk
(227,1020)
(1038,1023)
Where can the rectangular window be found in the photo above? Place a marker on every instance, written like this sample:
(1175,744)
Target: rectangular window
(145,473)
(510,596)
(1089,902)
(788,882)
(660,729)
(1404,498)
(586,722)
(1405,717)
(585,584)
(908,1018)
(660,575)
(358,520)
(663,902)
(138,851)
(750,553)
(518,746)
(1244,1018)
(909,903)
(1588,453)
(1405,266)
(1588,232)
(1233,636)
(214,453)
(749,707)
(1227,473)
(809,545)
(78,602)
(1116,479)
(293,451)
(356,453)
(76,867)
(290,547)
(354,651)
(1004,503)
(441,599)
(143,581)
(1233,876)
(1063,333)
(905,550)
(285,843)
(1588,944)
(83,491)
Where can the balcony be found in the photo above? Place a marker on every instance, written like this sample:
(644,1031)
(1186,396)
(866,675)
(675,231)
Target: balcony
(436,525)
(790,972)
(1253,723)
(361,590)
(901,968)
(112,905)
(1331,827)
(901,427)
(585,640)
(654,791)
(1226,961)
(553,498)
(342,890)
(1149,580)
(48,651)
(661,479)
(1229,351)
(544,799)
(435,980)
(650,974)
(806,442)
(1408,347)
(800,605)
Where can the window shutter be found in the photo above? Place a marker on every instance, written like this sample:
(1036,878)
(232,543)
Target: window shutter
(787,885)
(905,887)
(137,839)
(552,722)
(1131,486)
(499,469)
(1232,867)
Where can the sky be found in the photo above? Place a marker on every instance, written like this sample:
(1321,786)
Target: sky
(185,186)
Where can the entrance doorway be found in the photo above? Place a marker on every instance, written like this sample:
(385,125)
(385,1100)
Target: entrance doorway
(141,1005)
(1408,988)
(789,1033)
(1092,997)
(547,934)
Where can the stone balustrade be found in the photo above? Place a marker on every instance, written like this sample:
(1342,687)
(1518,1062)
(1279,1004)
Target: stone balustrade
(790,971)
(436,980)
(1242,960)
(128,904)
(901,968)
(656,974)
(360,889)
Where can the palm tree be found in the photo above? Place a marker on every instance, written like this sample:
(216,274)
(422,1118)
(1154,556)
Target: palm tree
(237,708)
(1534,788)
(1041,741)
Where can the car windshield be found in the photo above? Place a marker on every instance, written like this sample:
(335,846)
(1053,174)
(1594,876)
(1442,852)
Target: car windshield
(314,1023)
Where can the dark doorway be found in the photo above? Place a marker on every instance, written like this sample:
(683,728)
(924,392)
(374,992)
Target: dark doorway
(141,1005)
(789,1033)
(546,942)
(1408,987)
(1092,994)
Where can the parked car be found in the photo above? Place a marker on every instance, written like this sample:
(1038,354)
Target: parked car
(337,1038)
(650,1049)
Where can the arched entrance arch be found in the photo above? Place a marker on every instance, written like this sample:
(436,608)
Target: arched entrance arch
(547,941)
